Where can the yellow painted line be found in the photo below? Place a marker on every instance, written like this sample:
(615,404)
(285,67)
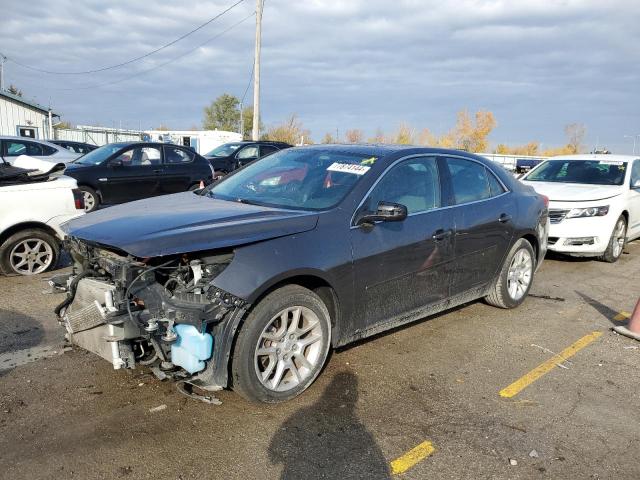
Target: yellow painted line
(413,456)
(526,380)
(621,316)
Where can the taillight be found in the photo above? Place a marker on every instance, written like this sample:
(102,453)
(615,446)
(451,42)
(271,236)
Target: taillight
(546,200)
(78,199)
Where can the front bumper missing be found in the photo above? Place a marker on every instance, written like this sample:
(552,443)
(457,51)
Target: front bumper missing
(94,324)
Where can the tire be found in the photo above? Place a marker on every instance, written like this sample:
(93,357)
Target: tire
(91,199)
(38,249)
(616,242)
(511,288)
(255,356)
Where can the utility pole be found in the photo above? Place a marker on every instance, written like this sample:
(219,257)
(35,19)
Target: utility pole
(241,121)
(2,60)
(255,134)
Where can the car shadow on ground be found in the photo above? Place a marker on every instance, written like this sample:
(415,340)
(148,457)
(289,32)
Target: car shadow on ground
(327,439)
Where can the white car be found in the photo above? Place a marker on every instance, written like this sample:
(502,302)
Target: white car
(32,209)
(13,147)
(594,203)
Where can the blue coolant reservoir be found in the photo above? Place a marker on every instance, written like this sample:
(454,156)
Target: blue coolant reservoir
(191,348)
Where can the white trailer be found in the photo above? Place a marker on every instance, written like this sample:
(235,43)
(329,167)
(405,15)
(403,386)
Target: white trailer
(202,141)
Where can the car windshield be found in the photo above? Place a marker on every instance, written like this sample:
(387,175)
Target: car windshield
(305,179)
(224,150)
(590,172)
(99,155)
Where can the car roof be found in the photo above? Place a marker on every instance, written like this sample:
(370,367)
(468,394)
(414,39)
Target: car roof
(29,139)
(597,156)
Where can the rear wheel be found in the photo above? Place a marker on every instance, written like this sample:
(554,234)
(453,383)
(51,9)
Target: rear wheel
(282,346)
(91,200)
(515,278)
(29,252)
(616,242)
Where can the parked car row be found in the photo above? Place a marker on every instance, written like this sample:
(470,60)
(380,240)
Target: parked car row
(251,280)
(126,171)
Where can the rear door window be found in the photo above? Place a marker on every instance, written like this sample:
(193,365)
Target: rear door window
(175,155)
(266,150)
(469,181)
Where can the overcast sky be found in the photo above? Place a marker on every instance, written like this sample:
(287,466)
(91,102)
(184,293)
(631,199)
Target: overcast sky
(537,64)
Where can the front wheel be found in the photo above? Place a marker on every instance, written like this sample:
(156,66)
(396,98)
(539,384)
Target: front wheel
(515,278)
(282,346)
(616,242)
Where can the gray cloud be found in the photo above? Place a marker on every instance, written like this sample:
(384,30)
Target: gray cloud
(350,64)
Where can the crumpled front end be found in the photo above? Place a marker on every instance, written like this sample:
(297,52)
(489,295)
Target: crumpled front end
(164,313)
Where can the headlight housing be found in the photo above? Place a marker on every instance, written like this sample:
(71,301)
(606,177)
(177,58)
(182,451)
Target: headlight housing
(588,212)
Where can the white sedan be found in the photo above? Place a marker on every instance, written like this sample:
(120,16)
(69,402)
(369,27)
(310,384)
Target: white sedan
(594,203)
(13,147)
(33,206)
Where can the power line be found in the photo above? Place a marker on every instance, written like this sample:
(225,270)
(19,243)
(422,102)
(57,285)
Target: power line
(89,87)
(128,62)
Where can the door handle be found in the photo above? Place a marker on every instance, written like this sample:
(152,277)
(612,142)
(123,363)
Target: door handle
(158,171)
(504,218)
(441,235)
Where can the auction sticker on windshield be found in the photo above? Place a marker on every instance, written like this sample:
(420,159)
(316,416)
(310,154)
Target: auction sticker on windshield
(611,162)
(348,168)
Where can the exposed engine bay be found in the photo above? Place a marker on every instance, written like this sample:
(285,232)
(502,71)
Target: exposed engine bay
(164,313)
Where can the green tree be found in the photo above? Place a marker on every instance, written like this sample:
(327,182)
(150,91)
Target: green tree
(222,114)
(247,120)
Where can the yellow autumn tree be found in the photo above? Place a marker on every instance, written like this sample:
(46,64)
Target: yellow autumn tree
(291,131)
(378,137)
(404,135)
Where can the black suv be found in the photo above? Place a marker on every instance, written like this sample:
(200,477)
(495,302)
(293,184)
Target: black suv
(126,171)
(229,156)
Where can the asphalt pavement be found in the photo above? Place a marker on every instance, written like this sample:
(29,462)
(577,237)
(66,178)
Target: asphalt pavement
(543,391)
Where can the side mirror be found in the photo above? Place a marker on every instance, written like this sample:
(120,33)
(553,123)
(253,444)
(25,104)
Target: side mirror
(115,162)
(386,212)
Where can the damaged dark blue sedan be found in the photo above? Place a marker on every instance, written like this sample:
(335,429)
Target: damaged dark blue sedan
(249,282)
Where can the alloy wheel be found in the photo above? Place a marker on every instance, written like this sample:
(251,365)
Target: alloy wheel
(89,201)
(289,349)
(520,274)
(619,234)
(31,256)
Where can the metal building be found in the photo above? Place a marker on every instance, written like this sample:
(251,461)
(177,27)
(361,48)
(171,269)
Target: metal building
(24,118)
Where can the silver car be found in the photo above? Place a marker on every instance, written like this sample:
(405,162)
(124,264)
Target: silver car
(13,147)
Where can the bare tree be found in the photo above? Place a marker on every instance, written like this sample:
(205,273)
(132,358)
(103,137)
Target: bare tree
(575,133)
(354,136)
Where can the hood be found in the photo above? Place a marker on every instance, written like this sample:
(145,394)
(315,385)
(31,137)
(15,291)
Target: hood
(186,222)
(575,192)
